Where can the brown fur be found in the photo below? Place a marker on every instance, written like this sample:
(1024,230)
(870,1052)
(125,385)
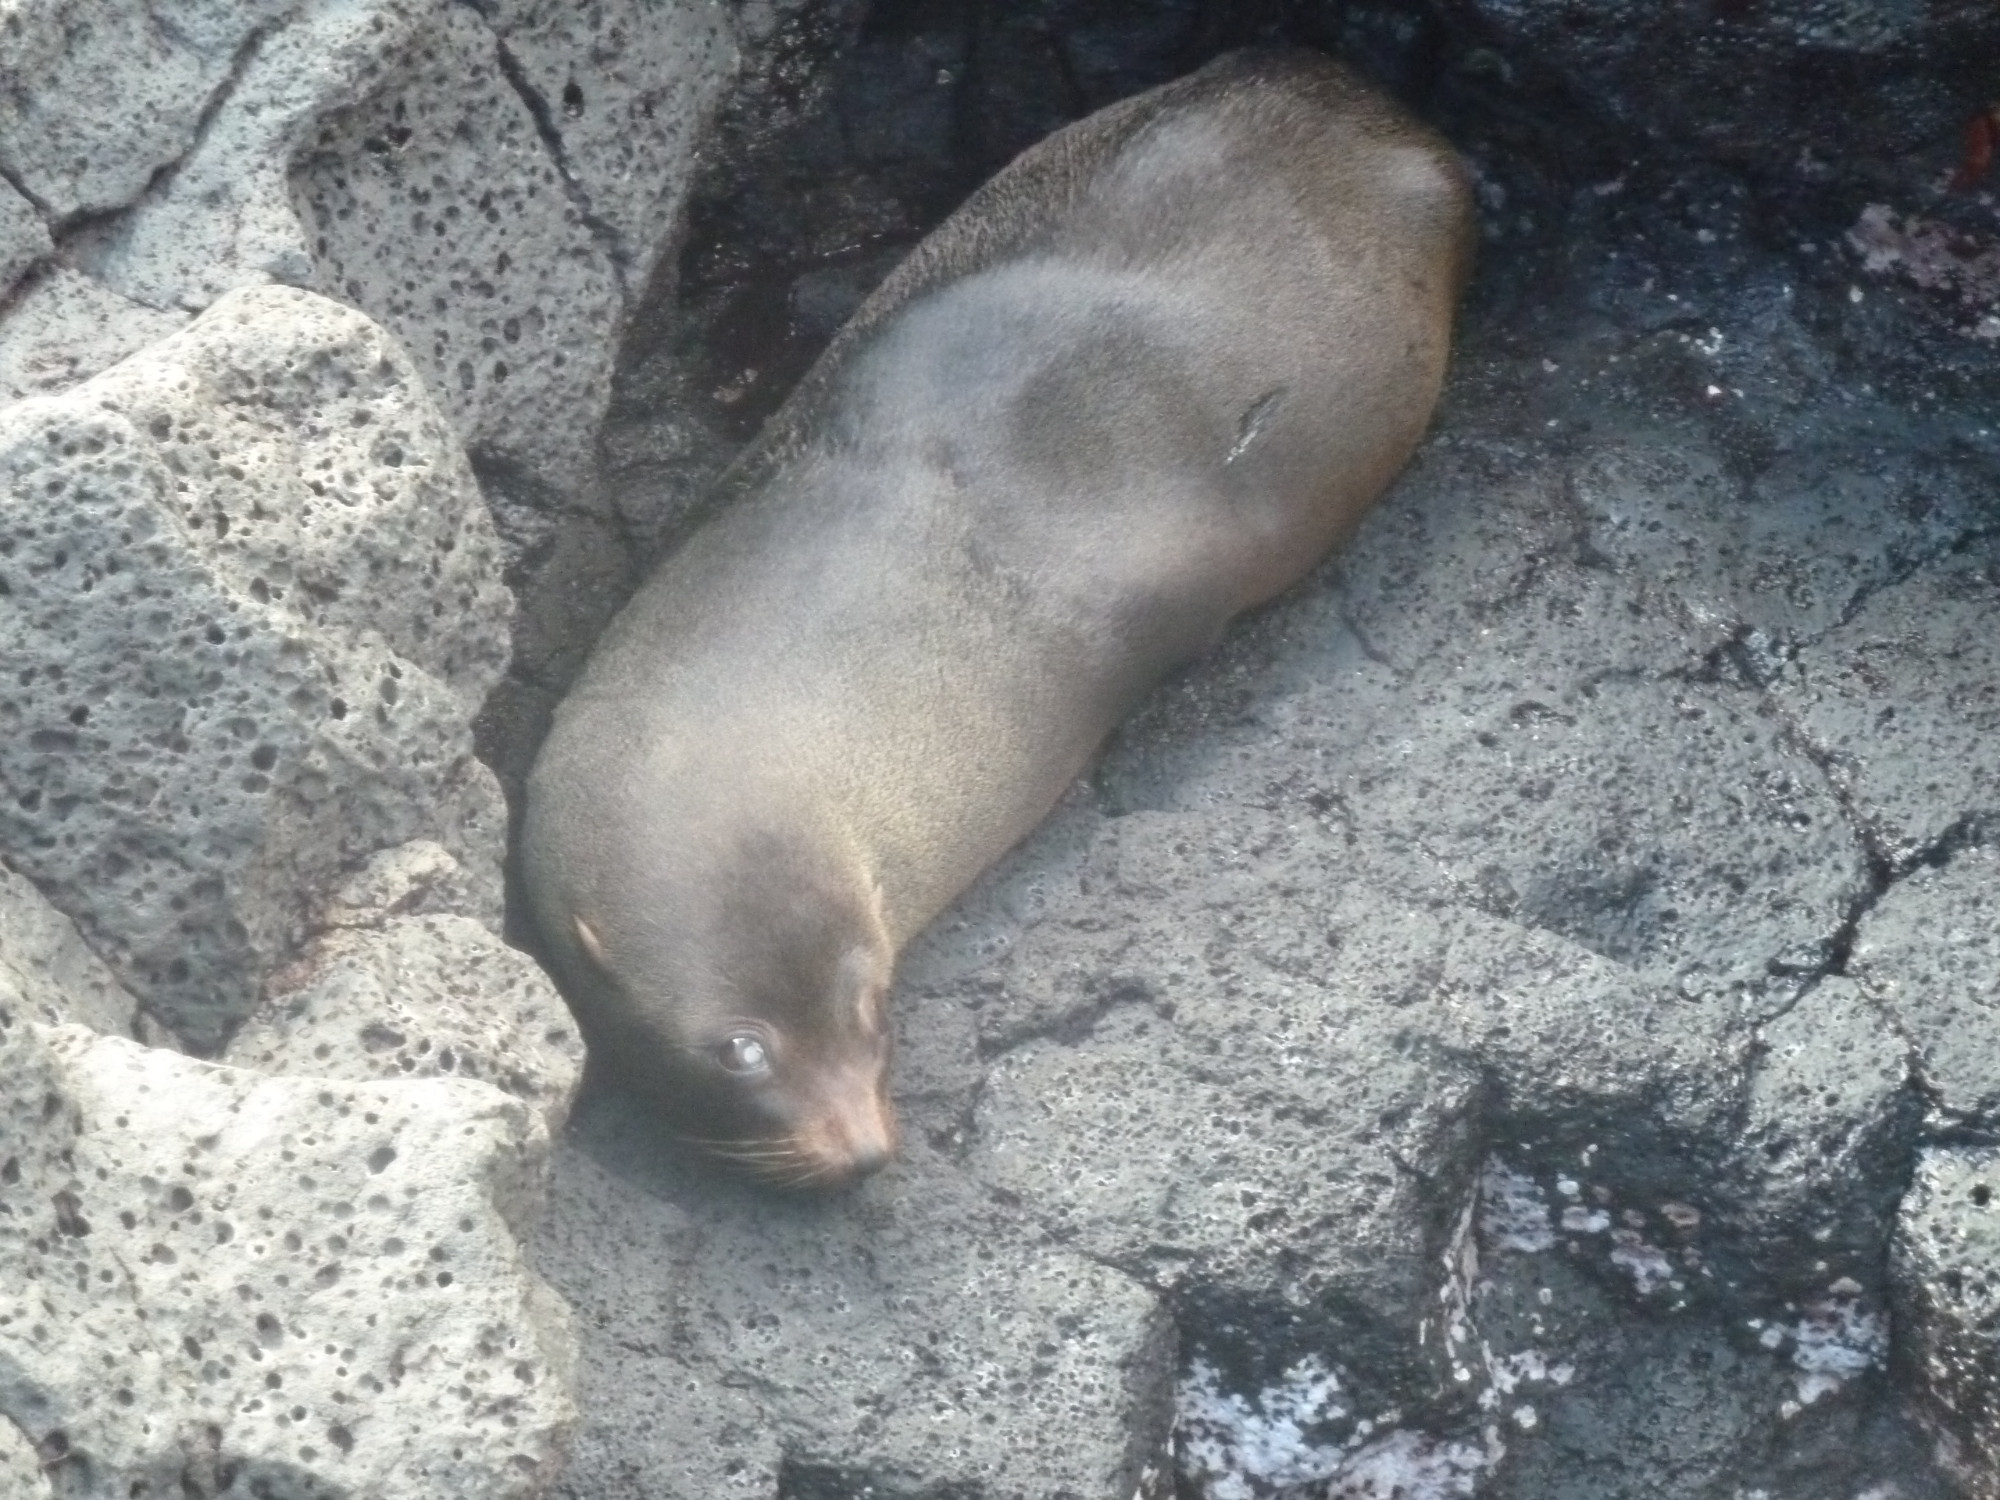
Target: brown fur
(1144,379)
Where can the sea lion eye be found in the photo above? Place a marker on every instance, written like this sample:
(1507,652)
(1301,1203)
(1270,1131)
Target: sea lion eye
(744,1053)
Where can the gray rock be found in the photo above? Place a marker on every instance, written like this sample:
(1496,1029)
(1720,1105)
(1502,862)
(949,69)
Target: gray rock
(161,64)
(232,1284)
(245,649)
(464,206)
(1947,1275)
(623,93)
(1171,1084)
(404,983)
(1916,746)
(21,1474)
(221,216)
(24,238)
(65,327)
(434,205)
(1829,1120)
(1930,955)
(47,973)
(1788,551)
(539,155)
(1239,1068)
(1499,713)
(913,1336)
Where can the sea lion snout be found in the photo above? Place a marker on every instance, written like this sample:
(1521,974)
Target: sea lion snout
(853,1134)
(821,1127)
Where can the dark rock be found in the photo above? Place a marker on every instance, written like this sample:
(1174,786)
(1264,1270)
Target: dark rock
(1947,1270)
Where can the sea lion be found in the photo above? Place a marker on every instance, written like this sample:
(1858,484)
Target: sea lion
(1144,379)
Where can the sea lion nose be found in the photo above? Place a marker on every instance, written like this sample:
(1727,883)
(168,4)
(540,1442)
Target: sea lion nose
(869,1142)
(870,1159)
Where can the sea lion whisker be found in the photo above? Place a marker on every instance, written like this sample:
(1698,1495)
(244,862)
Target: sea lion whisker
(715,1143)
(757,1163)
(809,1175)
(769,1157)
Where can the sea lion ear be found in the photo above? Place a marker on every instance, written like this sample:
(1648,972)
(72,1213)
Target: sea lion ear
(586,937)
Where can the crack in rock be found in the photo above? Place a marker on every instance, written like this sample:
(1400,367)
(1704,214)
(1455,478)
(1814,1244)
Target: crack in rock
(79,231)
(34,200)
(537,105)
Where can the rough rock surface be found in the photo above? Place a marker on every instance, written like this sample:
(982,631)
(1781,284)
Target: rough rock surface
(495,183)
(251,606)
(1792,88)
(48,973)
(24,238)
(65,327)
(920,1335)
(21,1475)
(1930,954)
(1948,1264)
(1910,744)
(461,193)
(60,144)
(222,1283)
(405,982)
(500,193)
(542,151)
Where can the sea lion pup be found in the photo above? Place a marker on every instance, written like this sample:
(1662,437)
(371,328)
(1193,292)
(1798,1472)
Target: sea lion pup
(1144,379)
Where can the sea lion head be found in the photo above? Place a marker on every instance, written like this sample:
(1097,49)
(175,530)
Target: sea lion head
(742,980)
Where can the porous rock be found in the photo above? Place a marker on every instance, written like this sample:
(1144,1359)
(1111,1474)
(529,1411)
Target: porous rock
(223,1283)
(251,606)
(404,981)
(1786,548)
(21,1475)
(1947,1276)
(487,181)
(913,1338)
(485,203)
(1829,1119)
(1929,952)
(1494,718)
(434,204)
(1912,743)
(24,238)
(1239,1068)
(64,327)
(48,973)
(160,64)
(220,216)
(622,92)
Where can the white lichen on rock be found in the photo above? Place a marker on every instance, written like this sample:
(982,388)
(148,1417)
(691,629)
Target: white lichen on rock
(1238,1447)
